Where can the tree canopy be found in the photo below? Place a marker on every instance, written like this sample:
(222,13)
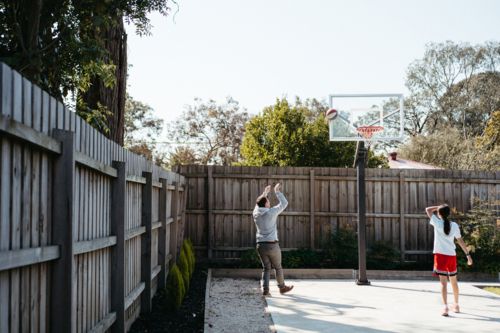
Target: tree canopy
(216,131)
(286,135)
(142,129)
(58,44)
(453,85)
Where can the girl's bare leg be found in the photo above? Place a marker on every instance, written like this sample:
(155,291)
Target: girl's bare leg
(454,285)
(444,291)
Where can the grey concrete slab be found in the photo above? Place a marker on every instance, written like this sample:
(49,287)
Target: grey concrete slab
(385,306)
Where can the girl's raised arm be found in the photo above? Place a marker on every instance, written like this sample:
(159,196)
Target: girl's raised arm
(431,209)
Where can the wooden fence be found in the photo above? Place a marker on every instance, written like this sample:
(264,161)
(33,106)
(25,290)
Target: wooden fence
(87,229)
(221,199)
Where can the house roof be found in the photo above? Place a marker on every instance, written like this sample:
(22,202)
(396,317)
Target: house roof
(401,163)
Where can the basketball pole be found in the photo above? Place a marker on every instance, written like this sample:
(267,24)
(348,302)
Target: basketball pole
(361,159)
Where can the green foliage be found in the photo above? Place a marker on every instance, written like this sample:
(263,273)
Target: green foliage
(340,248)
(184,269)
(58,44)
(175,288)
(189,256)
(301,258)
(481,234)
(383,255)
(251,259)
(284,135)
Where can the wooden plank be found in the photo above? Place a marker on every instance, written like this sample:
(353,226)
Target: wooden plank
(147,211)
(210,217)
(156,225)
(162,234)
(157,184)
(28,256)
(311,196)
(94,244)
(64,318)
(94,164)
(402,231)
(134,294)
(135,232)
(104,324)
(27,134)
(155,271)
(136,179)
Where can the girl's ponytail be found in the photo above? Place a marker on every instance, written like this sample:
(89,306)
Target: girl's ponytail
(444,211)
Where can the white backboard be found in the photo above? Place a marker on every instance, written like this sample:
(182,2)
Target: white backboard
(384,110)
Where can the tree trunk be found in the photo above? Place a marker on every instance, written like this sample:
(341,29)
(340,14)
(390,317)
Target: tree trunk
(112,98)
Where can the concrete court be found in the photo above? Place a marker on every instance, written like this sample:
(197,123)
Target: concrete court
(385,306)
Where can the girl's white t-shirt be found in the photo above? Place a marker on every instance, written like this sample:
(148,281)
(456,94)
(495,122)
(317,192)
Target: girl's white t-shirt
(443,243)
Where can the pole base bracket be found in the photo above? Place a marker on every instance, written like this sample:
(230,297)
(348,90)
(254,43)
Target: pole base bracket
(363,283)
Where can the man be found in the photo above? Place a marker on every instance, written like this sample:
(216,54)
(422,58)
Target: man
(267,238)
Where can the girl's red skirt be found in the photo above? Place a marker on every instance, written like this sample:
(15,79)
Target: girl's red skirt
(445,265)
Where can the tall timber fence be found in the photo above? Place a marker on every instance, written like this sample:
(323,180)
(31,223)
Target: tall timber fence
(88,230)
(221,199)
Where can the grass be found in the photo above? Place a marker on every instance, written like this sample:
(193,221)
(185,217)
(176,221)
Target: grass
(495,290)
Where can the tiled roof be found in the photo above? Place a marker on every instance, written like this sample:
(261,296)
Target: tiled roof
(401,163)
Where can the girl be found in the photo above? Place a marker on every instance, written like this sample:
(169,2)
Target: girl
(445,259)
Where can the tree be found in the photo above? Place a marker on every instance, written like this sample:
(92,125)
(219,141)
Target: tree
(141,130)
(449,150)
(60,45)
(282,136)
(112,98)
(454,85)
(218,129)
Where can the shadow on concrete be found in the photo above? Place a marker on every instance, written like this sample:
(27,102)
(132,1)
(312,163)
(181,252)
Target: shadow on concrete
(301,321)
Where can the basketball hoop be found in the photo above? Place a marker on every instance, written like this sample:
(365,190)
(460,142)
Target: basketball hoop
(369,133)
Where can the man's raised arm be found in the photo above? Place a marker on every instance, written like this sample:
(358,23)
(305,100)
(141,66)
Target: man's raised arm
(283,202)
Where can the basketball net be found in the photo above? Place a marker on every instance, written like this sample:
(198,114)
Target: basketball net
(369,133)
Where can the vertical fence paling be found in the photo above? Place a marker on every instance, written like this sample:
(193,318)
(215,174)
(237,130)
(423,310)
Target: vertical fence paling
(70,257)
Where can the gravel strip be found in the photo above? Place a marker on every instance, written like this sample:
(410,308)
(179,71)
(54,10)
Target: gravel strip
(236,305)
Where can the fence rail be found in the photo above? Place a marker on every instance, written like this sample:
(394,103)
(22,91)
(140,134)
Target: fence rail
(221,200)
(86,227)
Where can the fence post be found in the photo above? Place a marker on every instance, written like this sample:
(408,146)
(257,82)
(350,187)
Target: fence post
(311,196)
(210,189)
(402,233)
(63,300)
(118,207)
(162,235)
(147,210)
(181,212)
(173,229)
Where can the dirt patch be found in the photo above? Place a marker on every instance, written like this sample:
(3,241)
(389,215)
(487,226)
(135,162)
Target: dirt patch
(188,319)
(236,305)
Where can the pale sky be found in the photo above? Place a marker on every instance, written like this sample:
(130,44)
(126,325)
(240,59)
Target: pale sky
(257,51)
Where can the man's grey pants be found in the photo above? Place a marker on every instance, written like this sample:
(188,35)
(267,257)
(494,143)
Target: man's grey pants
(270,253)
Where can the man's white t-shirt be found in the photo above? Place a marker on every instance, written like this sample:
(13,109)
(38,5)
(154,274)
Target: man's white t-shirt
(443,243)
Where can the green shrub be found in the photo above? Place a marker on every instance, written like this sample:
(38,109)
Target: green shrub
(481,234)
(251,259)
(175,288)
(383,255)
(301,258)
(189,256)
(184,269)
(340,248)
